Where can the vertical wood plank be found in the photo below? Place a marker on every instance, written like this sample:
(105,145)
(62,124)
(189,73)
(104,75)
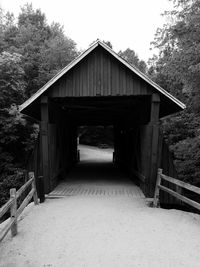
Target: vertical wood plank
(35,198)
(66,85)
(41,189)
(157,189)
(85,78)
(98,74)
(101,76)
(131,84)
(113,80)
(13,211)
(109,75)
(136,84)
(155,108)
(77,77)
(154,119)
(117,70)
(81,80)
(106,81)
(72,81)
(124,82)
(90,75)
(145,140)
(60,89)
(95,75)
(44,141)
(120,92)
(154,157)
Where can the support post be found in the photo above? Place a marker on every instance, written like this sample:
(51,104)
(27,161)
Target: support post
(156,202)
(154,124)
(41,189)
(35,197)
(13,211)
(44,142)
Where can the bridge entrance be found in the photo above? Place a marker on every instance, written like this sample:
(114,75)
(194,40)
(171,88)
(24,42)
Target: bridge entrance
(100,88)
(96,175)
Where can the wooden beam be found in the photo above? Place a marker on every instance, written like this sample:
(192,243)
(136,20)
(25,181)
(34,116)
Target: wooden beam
(156,201)
(179,196)
(144,151)
(155,108)
(44,141)
(13,211)
(154,157)
(154,127)
(187,186)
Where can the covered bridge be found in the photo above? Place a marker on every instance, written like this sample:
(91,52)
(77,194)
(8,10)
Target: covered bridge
(101,88)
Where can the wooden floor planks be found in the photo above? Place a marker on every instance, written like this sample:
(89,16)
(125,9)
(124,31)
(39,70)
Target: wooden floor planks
(70,189)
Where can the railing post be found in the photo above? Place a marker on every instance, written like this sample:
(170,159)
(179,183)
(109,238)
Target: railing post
(156,202)
(35,197)
(41,189)
(13,211)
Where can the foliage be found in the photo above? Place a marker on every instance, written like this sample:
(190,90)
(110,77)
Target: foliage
(132,58)
(17,137)
(108,43)
(45,48)
(96,135)
(177,69)
(31,52)
(7,182)
(11,79)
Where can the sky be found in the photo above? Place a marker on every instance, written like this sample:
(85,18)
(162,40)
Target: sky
(126,24)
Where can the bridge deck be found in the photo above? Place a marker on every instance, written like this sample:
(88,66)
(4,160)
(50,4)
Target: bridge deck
(96,175)
(69,189)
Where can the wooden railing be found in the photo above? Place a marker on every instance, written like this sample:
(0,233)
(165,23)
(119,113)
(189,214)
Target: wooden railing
(159,186)
(12,205)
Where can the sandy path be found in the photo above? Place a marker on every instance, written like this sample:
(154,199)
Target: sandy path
(98,230)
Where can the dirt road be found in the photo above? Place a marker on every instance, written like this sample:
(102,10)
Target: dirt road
(94,230)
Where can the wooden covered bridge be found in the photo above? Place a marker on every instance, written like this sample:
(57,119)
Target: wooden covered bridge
(101,88)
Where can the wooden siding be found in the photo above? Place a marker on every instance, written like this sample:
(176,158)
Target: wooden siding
(54,155)
(99,75)
(143,156)
(167,165)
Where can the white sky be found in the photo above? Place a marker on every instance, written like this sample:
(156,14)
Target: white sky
(127,23)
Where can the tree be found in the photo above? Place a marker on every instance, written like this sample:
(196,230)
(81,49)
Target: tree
(11,79)
(45,48)
(31,52)
(57,52)
(133,59)
(15,137)
(108,43)
(179,44)
(177,70)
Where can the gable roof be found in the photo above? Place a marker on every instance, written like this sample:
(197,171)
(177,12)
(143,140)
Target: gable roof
(114,54)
